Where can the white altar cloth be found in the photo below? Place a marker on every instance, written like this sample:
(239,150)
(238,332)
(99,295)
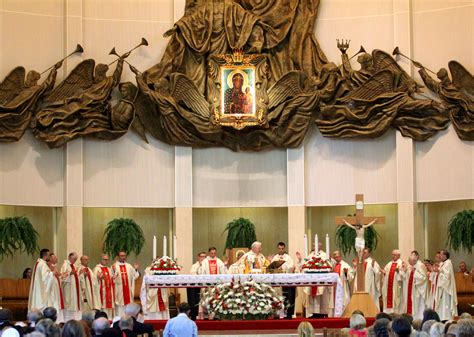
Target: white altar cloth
(275,280)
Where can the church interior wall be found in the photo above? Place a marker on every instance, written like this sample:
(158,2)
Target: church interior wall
(128,176)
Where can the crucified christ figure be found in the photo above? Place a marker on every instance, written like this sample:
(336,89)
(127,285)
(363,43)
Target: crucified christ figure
(359,241)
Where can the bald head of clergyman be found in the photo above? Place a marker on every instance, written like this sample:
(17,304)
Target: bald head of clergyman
(85,260)
(395,254)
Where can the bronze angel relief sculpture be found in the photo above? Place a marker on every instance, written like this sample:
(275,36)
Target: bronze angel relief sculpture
(241,75)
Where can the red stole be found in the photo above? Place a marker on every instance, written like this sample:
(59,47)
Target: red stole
(76,279)
(161,303)
(88,277)
(434,292)
(391,277)
(125,284)
(213,267)
(108,288)
(410,289)
(337,269)
(61,298)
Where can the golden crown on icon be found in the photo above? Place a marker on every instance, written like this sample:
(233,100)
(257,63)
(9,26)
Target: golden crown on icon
(237,55)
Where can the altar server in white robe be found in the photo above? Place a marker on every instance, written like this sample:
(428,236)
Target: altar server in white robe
(71,289)
(105,279)
(317,300)
(89,286)
(154,301)
(236,267)
(288,266)
(194,294)
(414,287)
(392,288)
(254,260)
(54,288)
(433,276)
(126,274)
(212,265)
(344,270)
(371,276)
(38,297)
(446,298)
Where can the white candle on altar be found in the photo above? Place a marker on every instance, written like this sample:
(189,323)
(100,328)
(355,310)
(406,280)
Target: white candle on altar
(154,247)
(175,247)
(164,245)
(305,246)
(316,244)
(328,252)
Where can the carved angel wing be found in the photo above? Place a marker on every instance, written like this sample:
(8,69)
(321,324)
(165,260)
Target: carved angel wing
(380,83)
(385,61)
(462,78)
(12,85)
(185,92)
(78,80)
(289,85)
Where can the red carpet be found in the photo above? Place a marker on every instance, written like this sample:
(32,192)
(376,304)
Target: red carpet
(270,324)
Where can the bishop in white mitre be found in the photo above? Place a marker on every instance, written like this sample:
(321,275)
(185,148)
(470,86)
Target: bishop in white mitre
(317,300)
(212,265)
(38,297)
(446,300)
(105,279)
(371,277)
(414,287)
(126,274)
(344,270)
(392,288)
(253,261)
(155,303)
(89,286)
(71,289)
(54,288)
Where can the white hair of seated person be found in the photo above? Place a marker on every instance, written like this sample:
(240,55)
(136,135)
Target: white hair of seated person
(100,324)
(256,244)
(465,315)
(132,309)
(10,332)
(88,316)
(34,315)
(126,323)
(427,325)
(465,327)
(357,322)
(437,330)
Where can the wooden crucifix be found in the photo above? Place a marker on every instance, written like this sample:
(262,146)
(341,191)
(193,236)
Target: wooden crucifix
(359,223)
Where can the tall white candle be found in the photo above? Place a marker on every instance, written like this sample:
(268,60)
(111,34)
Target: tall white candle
(154,247)
(175,247)
(328,252)
(164,245)
(316,244)
(305,246)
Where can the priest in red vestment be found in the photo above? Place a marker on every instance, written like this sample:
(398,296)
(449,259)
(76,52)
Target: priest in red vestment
(125,275)
(105,278)
(392,289)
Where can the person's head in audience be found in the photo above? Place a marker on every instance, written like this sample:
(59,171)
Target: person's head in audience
(417,324)
(88,316)
(35,334)
(465,315)
(48,328)
(426,326)
(212,252)
(357,322)
(27,273)
(465,328)
(33,316)
(126,323)
(463,267)
(6,318)
(132,310)
(87,327)
(183,308)
(401,327)
(430,314)
(73,328)
(408,317)
(10,332)
(50,313)
(358,312)
(100,325)
(44,254)
(452,330)
(100,313)
(383,315)
(447,325)
(381,327)
(421,334)
(437,330)
(305,329)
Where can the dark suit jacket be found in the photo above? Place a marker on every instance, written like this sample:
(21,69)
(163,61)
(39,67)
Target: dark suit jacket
(139,328)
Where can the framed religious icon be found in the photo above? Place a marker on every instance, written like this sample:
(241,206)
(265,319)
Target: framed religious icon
(234,87)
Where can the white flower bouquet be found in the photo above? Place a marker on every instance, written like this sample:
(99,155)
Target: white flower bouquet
(164,266)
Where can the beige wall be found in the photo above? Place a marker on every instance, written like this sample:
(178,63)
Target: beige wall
(209,223)
(42,219)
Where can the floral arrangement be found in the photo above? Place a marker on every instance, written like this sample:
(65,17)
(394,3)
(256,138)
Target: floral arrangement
(242,300)
(316,264)
(164,266)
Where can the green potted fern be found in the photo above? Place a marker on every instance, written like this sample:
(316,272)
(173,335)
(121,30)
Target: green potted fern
(461,231)
(17,234)
(240,234)
(123,235)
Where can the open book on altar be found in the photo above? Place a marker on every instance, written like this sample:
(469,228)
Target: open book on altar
(274,267)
